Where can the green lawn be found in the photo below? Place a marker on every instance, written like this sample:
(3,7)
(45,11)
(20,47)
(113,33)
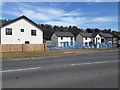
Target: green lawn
(11,55)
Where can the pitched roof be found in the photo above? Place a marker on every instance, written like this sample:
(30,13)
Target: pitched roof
(94,34)
(106,35)
(116,35)
(21,17)
(86,34)
(64,34)
(119,36)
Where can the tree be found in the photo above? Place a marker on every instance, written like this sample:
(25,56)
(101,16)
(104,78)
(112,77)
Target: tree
(97,30)
(88,30)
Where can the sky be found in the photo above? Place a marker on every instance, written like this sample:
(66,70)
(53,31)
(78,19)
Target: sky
(102,15)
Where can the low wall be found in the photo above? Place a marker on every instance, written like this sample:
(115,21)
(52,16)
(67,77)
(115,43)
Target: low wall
(22,47)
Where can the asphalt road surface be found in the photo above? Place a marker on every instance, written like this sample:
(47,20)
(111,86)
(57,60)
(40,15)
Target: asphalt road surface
(96,70)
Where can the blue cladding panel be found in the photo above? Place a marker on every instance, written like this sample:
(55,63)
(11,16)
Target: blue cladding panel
(74,45)
(64,45)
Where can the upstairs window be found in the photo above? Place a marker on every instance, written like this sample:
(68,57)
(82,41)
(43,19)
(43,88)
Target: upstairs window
(61,38)
(86,38)
(33,32)
(8,31)
(22,30)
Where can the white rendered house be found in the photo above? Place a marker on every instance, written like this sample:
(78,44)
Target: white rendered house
(85,39)
(21,30)
(63,39)
(94,39)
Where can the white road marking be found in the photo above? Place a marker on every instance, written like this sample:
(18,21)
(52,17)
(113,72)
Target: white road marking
(16,70)
(94,63)
(35,68)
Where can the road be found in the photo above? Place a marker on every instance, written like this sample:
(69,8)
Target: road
(96,70)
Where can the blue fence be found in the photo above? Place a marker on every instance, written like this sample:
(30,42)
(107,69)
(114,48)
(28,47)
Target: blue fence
(103,45)
(64,45)
(75,45)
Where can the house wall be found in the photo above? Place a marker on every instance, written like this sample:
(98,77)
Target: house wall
(97,39)
(79,38)
(54,38)
(108,39)
(115,40)
(22,36)
(65,39)
(88,40)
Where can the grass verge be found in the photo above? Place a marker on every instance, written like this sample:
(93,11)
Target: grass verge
(48,53)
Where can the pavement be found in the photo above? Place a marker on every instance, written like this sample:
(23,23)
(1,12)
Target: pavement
(94,70)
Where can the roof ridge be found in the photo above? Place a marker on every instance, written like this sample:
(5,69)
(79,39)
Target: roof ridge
(23,16)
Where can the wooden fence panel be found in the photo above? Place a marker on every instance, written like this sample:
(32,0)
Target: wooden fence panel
(27,47)
(21,47)
(11,48)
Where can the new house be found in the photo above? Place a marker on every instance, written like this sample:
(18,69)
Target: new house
(106,37)
(63,39)
(96,40)
(85,39)
(21,30)
(116,39)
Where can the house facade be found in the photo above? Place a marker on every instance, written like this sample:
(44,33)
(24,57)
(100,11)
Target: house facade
(116,40)
(21,31)
(85,39)
(95,40)
(63,39)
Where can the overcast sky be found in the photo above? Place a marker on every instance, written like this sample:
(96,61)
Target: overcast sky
(103,15)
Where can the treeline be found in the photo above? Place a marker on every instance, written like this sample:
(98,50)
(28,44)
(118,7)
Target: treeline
(4,21)
(48,30)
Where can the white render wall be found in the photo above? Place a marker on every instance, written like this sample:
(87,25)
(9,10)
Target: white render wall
(97,40)
(54,38)
(22,36)
(65,39)
(88,40)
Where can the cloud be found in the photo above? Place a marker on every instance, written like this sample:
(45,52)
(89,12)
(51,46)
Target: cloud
(66,21)
(105,19)
(74,13)
(41,13)
(57,16)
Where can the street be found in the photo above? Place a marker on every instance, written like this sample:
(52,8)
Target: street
(95,70)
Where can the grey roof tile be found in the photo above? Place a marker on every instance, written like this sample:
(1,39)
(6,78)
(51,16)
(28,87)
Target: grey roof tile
(94,34)
(106,35)
(86,34)
(64,34)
